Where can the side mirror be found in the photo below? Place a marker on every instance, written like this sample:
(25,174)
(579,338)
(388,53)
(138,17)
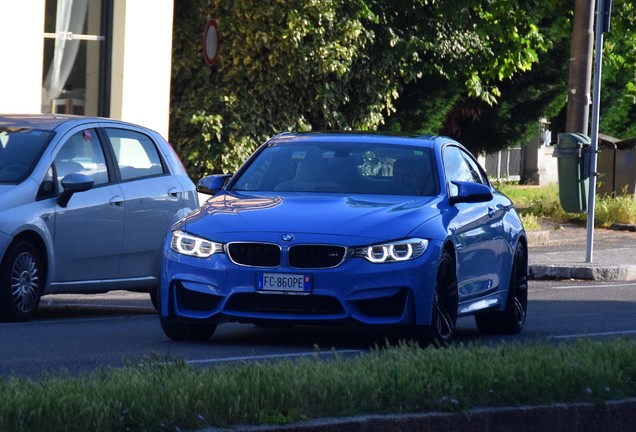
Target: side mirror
(212,184)
(72,183)
(468,192)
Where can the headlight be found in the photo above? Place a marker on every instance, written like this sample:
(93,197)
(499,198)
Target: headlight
(402,250)
(187,244)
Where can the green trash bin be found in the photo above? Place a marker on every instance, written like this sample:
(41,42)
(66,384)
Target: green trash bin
(572,151)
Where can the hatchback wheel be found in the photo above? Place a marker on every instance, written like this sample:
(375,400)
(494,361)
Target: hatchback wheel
(21,283)
(187,331)
(512,319)
(445,303)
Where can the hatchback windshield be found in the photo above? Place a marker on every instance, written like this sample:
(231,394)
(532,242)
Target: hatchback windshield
(20,149)
(341,168)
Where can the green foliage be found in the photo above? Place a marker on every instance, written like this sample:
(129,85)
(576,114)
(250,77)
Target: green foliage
(481,71)
(611,210)
(335,64)
(618,92)
(168,396)
(524,97)
(283,65)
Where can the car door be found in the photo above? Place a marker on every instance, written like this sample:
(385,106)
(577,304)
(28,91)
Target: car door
(152,200)
(477,228)
(88,232)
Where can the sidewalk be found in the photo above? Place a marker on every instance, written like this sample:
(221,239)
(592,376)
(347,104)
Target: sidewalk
(559,252)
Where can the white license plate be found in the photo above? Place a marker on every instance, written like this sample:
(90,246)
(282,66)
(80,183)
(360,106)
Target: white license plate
(283,282)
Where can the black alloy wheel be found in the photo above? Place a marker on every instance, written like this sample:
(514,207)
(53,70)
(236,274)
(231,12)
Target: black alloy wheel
(445,304)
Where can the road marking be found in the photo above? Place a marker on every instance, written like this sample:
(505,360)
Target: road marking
(271,356)
(592,286)
(579,335)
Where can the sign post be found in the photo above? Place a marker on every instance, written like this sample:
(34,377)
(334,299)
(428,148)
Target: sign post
(603,9)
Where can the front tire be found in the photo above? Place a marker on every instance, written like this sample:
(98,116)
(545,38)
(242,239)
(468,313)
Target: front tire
(187,331)
(21,283)
(512,319)
(445,303)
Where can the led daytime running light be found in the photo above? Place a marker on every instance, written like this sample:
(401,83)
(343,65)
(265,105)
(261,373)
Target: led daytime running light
(393,252)
(186,244)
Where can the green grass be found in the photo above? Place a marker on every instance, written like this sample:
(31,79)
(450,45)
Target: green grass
(156,396)
(535,203)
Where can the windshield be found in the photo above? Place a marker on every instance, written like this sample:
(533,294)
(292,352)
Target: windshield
(20,149)
(357,168)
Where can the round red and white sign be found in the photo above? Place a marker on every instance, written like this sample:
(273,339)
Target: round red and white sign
(211,42)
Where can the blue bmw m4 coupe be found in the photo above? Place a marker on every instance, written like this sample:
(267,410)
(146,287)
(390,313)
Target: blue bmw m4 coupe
(337,228)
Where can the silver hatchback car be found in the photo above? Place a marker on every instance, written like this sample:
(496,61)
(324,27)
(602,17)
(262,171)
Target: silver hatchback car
(86,203)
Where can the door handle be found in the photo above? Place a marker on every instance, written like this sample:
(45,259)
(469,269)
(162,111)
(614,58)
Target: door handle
(492,210)
(117,201)
(173,192)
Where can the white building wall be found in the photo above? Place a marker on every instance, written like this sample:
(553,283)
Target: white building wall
(142,69)
(141,60)
(21,45)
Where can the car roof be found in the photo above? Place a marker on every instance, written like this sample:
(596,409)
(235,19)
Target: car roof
(48,121)
(356,137)
(36,121)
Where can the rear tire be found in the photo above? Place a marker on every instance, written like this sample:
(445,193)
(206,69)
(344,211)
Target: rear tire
(445,303)
(21,283)
(512,319)
(186,331)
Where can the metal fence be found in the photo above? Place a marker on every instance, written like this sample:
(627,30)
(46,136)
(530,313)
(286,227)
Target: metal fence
(504,164)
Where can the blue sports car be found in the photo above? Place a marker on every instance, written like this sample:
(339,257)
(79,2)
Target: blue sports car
(337,228)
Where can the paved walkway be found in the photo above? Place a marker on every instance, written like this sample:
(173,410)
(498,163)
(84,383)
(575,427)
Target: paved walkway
(560,252)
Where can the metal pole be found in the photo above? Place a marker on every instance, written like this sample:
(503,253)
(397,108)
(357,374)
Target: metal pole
(602,25)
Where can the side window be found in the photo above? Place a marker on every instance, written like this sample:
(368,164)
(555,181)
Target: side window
(459,166)
(136,154)
(82,153)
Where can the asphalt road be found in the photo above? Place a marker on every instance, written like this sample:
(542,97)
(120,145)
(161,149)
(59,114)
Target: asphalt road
(76,334)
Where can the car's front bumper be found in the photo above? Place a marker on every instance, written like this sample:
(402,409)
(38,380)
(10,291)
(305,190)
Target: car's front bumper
(217,290)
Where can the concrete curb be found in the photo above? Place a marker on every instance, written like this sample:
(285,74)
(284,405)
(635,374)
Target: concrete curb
(560,264)
(611,416)
(582,272)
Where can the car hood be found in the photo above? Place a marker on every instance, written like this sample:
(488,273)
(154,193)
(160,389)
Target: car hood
(10,195)
(6,187)
(355,219)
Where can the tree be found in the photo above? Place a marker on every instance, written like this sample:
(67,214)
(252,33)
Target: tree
(283,65)
(482,71)
(525,97)
(618,92)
